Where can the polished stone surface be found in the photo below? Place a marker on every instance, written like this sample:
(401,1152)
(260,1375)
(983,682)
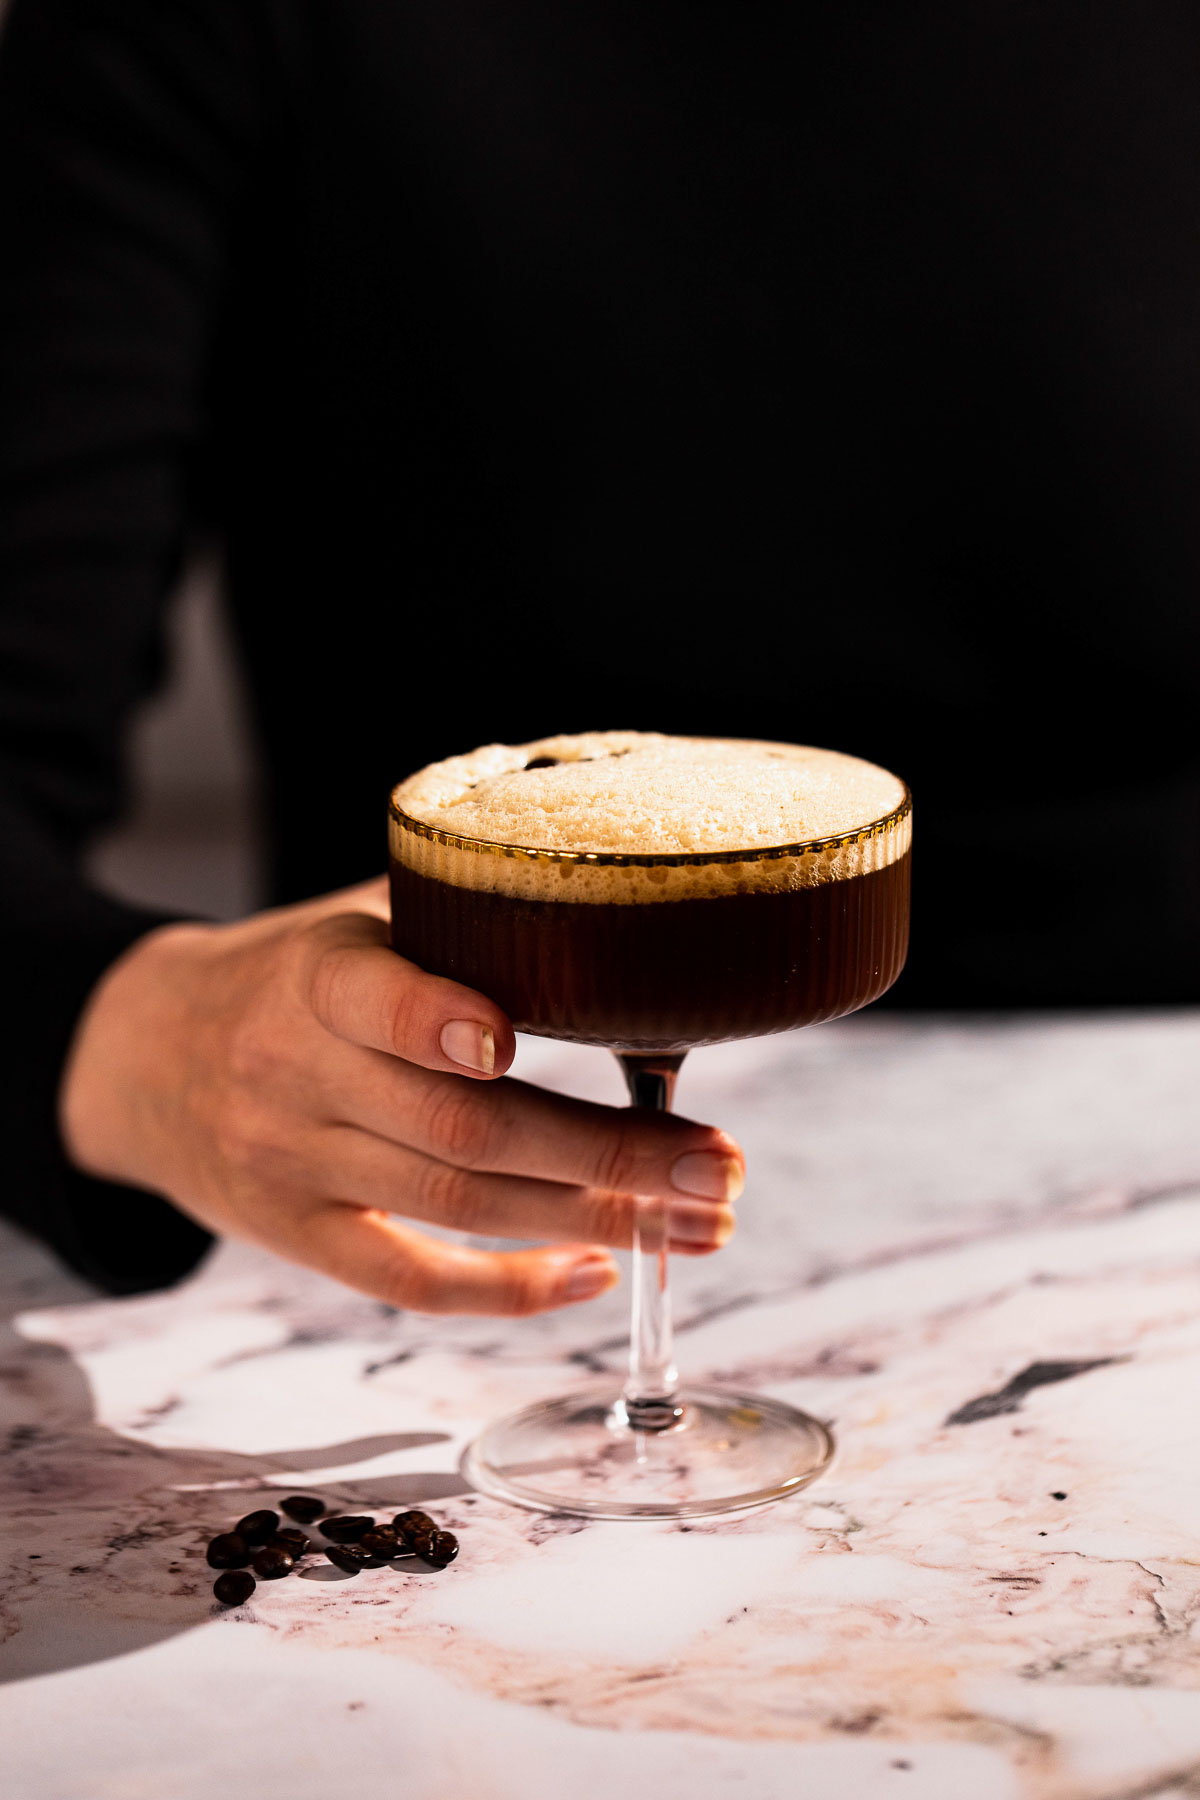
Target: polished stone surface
(973,1246)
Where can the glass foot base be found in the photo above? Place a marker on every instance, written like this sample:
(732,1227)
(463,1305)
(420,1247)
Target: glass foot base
(580,1455)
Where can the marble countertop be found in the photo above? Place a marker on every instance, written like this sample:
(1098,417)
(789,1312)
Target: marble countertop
(973,1246)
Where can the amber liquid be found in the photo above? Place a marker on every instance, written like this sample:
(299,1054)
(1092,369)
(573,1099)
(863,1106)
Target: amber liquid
(664,976)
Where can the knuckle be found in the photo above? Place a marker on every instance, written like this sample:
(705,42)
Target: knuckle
(615,1161)
(253,1145)
(452,1197)
(460,1127)
(238,1142)
(326,974)
(296,956)
(402,1016)
(418,1283)
(522,1294)
(401,1281)
(253,1052)
(343,926)
(610,1219)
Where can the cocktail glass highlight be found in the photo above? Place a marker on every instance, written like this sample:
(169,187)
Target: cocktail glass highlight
(651,956)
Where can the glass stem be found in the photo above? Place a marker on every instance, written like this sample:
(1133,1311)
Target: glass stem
(651,1400)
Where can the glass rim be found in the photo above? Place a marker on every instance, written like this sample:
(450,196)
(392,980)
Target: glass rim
(622,859)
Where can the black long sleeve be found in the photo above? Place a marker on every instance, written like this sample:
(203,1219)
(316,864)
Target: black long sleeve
(125,130)
(820,374)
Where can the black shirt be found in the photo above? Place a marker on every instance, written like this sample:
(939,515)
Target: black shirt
(822,374)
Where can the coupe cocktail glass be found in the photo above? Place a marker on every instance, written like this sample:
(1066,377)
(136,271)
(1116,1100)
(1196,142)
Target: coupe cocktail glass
(650,956)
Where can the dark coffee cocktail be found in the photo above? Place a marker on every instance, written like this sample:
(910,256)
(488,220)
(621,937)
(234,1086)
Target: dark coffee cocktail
(653,894)
(650,894)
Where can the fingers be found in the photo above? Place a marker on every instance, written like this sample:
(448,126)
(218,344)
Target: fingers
(363,992)
(424,1028)
(511,1128)
(394,1179)
(491,1157)
(393,1263)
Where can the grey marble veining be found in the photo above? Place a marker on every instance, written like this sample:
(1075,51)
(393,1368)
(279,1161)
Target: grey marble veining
(974,1246)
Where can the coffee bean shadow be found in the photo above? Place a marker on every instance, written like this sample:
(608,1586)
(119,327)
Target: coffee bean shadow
(105,1535)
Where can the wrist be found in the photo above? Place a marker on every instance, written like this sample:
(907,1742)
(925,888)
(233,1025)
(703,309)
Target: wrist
(118,1073)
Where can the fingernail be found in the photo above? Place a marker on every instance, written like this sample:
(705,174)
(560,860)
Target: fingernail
(692,1224)
(708,1174)
(589,1278)
(469,1045)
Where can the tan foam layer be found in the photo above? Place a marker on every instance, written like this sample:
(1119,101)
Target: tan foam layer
(643,796)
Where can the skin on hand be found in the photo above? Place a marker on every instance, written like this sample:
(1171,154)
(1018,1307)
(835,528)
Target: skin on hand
(291,1081)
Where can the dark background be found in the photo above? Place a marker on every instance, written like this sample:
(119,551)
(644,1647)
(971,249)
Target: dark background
(834,379)
(828,375)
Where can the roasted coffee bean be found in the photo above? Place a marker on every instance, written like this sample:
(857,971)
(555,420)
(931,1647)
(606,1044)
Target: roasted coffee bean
(235,1586)
(383,1541)
(294,1542)
(257,1527)
(229,1550)
(350,1557)
(366,1556)
(273,1562)
(346,1528)
(404,1520)
(306,1509)
(443,1549)
(408,1522)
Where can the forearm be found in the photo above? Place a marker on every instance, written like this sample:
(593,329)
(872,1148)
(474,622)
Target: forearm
(126,132)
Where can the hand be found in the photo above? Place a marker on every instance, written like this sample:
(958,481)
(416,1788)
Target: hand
(291,1081)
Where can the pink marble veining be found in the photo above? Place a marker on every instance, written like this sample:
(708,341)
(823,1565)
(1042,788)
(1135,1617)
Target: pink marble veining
(995,1591)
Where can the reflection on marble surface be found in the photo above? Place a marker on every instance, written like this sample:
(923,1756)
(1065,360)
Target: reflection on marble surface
(973,1247)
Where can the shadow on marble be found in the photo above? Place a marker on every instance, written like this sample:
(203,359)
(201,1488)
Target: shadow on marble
(403,1490)
(131,1517)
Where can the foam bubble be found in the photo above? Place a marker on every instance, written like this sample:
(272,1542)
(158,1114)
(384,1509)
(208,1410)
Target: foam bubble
(643,795)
